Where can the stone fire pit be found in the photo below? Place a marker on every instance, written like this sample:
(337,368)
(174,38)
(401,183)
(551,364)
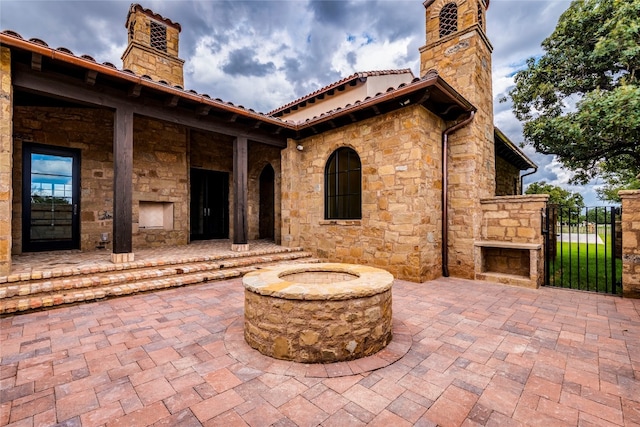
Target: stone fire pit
(318,313)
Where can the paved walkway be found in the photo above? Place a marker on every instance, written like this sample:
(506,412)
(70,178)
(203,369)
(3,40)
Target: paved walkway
(591,238)
(481,355)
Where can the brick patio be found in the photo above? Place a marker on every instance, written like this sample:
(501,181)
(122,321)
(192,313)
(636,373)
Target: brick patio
(480,354)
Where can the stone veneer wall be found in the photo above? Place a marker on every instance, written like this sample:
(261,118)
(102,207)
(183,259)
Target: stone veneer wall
(143,59)
(463,59)
(507,178)
(515,219)
(400,153)
(511,241)
(630,243)
(260,155)
(6,107)
(86,129)
(160,174)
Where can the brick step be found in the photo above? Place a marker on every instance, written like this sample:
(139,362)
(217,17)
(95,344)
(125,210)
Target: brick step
(136,265)
(148,279)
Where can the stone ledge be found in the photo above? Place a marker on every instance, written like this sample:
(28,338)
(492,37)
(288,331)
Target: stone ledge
(506,279)
(507,245)
(369,281)
(341,222)
(516,199)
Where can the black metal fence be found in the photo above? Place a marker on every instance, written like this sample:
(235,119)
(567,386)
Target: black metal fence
(583,248)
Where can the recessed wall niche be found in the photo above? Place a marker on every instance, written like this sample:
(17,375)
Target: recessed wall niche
(156,215)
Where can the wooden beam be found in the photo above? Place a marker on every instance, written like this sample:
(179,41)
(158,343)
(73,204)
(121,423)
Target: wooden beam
(203,110)
(240,193)
(90,77)
(40,83)
(134,91)
(36,61)
(171,101)
(122,180)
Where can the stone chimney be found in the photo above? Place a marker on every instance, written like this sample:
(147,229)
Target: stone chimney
(153,46)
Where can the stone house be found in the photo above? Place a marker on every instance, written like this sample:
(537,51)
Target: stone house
(380,168)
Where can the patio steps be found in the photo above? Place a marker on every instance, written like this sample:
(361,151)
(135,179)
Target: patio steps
(46,289)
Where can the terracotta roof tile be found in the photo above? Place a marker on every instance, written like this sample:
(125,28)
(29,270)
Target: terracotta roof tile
(355,76)
(90,60)
(136,7)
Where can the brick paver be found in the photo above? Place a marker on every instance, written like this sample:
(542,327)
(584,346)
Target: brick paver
(480,354)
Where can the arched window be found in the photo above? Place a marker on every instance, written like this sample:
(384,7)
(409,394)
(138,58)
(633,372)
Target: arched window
(343,185)
(448,19)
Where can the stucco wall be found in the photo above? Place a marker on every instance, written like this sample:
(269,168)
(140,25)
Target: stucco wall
(400,153)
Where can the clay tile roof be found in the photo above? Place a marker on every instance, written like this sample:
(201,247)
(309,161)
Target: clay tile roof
(38,41)
(12,34)
(37,45)
(136,7)
(344,81)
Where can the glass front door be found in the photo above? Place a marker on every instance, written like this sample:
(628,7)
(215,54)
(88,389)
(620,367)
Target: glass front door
(50,198)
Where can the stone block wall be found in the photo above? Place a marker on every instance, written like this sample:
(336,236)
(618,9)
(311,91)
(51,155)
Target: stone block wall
(143,59)
(261,155)
(86,129)
(515,219)
(507,178)
(630,243)
(400,154)
(160,174)
(463,59)
(6,159)
(511,245)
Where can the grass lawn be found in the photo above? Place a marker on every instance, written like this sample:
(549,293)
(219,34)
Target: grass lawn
(584,266)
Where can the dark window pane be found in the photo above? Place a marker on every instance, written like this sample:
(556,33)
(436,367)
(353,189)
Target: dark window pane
(343,186)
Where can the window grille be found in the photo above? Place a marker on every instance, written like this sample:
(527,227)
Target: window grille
(158,36)
(480,20)
(448,19)
(132,27)
(343,185)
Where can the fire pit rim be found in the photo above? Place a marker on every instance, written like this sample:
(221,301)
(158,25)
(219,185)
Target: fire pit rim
(268,281)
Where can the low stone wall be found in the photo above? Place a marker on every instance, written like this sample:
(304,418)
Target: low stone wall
(318,313)
(510,250)
(630,243)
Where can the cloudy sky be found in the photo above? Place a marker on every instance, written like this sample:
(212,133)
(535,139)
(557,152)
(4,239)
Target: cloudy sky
(263,54)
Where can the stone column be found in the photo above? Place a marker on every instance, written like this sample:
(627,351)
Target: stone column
(289,195)
(630,243)
(6,153)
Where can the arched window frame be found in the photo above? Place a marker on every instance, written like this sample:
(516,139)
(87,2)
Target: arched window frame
(343,185)
(448,18)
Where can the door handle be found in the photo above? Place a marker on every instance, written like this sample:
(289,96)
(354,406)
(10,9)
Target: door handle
(75,209)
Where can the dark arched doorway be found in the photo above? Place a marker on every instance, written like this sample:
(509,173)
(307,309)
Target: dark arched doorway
(267,201)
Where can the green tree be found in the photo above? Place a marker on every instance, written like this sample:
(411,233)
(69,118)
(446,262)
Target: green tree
(581,99)
(557,195)
(624,180)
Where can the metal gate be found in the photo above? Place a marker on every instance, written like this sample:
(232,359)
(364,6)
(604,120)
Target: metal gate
(583,248)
